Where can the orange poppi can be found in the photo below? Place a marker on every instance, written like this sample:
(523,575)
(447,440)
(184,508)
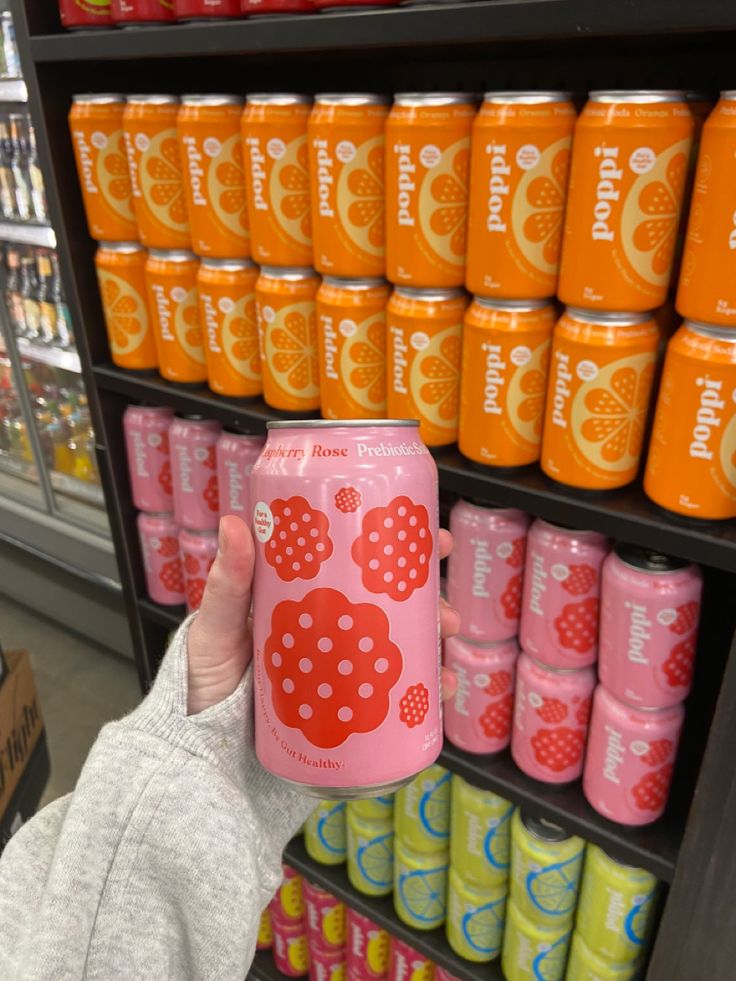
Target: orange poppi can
(120,273)
(351,322)
(427,167)
(276,155)
(152,145)
(691,468)
(707,287)
(171,281)
(600,383)
(627,177)
(287,327)
(346,161)
(520,160)
(504,380)
(227,311)
(214,179)
(96,124)
(424,338)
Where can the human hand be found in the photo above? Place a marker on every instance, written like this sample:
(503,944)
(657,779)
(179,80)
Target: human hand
(220,642)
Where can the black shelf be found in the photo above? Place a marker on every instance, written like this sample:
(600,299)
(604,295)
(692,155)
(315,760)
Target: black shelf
(165,616)
(264,969)
(432,943)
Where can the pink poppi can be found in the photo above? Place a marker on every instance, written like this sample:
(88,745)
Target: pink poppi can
(478,717)
(346,605)
(193,443)
(367,948)
(407,963)
(325,918)
(236,454)
(198,550)
(630,760)
(650,611)
(159,537)
(149,464)
(551,713)
(485,569)
(559,609)
(290,947)
(326,965)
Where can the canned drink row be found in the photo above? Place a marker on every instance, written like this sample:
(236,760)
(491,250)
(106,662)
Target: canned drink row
(176,560)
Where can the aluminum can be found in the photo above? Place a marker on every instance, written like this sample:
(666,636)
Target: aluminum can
(374,808)
(193,442)
(367,948)
(236,455)
(370,854)
(159,538)
(130,12)
(227,310)
(149,463)
(120,270)
(326,965)
(290,947)
(420,886)
(325,833)
(532,952)
(546,866)
(254,7)
(405,962)
(173,302)
(480,843)
(422,811)
(288,902)
(198,550)
(83,14)
(325,917)
(475,919)
(584,965)
(265,931)
(206,9)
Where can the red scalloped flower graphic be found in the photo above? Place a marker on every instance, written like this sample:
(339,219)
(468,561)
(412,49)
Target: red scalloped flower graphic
(164,478)
(168,545)
(414,705)
(300,542)
(348,499)
(394,550)
(172,576)
(211,494)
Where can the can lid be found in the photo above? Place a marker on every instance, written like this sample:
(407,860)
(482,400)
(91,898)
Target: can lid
(543,829)
(607,317)
(121,246)
(640,96)
(530,98)
(429,295)
(351,99)
(98,98)
(499,508)
(278,99)
(156,99)
(288,272)
(173,255)
(728,94)
(692,95)
(228,264)
(571,529)
(521,305)
(712,330)
(646,559)
(366,283)
(341,423)
(204,533)
(156,514)
(212,100)
(433,98)
(548,669)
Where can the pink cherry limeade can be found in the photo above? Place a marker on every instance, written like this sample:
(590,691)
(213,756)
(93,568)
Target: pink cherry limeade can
(630,760)
(198,550)
(325,918)
(159,537)
(290,950)
(478,717)
(193,442)
(326,965)
(236,454)
(551,713)
(149,465)
(346,605)
(650,610)
(366,948)
(559,610)
(485,570)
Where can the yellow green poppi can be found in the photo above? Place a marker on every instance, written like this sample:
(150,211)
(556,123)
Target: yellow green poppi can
(370,854)
(475,919)
(480,843)
(546,864)
(532,952)
(422,811)
(584,965)
(374,808)
(420,886)
(617,907)
(325,833)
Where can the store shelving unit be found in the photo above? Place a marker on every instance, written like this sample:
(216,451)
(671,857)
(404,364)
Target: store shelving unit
(575,44)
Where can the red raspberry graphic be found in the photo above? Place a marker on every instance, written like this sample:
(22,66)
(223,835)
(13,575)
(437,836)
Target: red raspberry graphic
(496,719)
(348,499)
(210,461)
(300,542)
(169,545)
(163,446)
(511,598)
(332,665)
(191,564)
(414,705)
(582,713)
(164,478)
(211,494)
(651,792)
(577,625)
(518,552)
(195,591)
(687,618)
(172,577)
(659,752)
(498,683)
(558,749)
(678,668)
(581,580)
(394,549)
(552,710)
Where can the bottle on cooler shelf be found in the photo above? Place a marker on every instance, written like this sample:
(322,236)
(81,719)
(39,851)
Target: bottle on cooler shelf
(7,185)
(83,14)
(475,919)
(154,162)
(29,296)
(214,179)
(427,168)
(19,165)
(13,292)
(149,463)
(265,931)
(227,310)
(480,843)
(206,9)
(346,162)
(600,383)
(551,713)
(35,174)
(584,965)
(560,603)
(630,759)
(424,339)
(351,325)
(236,454)
(192,442)
(367,948)
(325,833)
(485,570)
(407,964)
(159,537)
(532,951)
(505,362)
(198,550)
(422,811)
(629,161)
(518,188)
(691,467)
(370,854)
(420,885)
(287,325)
(132,12)
(173,303)
(276,156)
(64,328)
(325,917)
(121,276)
(9,55)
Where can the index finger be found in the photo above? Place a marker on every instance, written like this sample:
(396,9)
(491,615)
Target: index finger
(445,542)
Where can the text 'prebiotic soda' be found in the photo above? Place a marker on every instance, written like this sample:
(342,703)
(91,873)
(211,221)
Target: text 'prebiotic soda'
(346,605)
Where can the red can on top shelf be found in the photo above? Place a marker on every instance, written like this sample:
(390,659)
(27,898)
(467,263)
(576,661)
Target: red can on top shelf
(85,13)
(206,9)
(130,12)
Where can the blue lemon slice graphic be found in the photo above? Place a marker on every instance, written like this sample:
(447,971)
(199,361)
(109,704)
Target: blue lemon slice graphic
(387,801)
(497,844)
(331,829)
(376,860)
(434,808)
(549,964)
(554,889)
(637,921)
(483,927)
(423,894)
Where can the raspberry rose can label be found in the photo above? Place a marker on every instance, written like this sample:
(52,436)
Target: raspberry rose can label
(193,446)
(346,615)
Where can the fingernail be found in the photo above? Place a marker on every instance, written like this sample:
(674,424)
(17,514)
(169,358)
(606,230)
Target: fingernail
(221,539)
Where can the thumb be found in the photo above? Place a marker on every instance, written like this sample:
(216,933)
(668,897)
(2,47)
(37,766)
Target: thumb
(219,643)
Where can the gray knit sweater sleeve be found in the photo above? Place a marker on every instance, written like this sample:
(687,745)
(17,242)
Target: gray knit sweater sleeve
(158,865)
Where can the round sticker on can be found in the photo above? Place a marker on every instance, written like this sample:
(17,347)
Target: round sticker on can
(262,521)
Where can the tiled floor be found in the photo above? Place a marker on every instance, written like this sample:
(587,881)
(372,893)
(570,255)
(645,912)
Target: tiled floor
(81,686)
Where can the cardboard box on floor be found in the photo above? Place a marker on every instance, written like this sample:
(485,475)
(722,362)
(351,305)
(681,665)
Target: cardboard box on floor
(21,723)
